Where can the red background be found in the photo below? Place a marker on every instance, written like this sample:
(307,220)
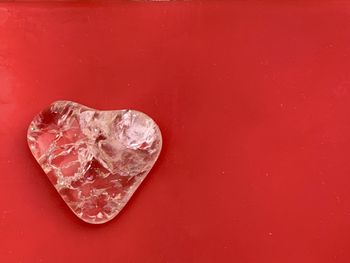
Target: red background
(253,100)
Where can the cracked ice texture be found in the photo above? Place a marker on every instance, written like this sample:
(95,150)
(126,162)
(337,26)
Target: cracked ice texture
(95,159)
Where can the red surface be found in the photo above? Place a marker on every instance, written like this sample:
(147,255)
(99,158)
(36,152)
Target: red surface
(254,104)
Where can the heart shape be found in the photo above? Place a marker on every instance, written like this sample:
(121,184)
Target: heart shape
(95,159)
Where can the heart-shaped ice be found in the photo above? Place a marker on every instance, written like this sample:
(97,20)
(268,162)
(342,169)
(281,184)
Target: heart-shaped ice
(95,159)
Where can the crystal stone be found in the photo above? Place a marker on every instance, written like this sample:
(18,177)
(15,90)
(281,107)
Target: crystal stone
(95,159)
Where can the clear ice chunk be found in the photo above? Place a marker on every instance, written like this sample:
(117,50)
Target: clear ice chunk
(95,159)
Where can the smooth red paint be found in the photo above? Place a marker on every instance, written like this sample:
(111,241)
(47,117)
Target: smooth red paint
(253,99)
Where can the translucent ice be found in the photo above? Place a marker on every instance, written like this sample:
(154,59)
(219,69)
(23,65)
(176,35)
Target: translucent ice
(95,159)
